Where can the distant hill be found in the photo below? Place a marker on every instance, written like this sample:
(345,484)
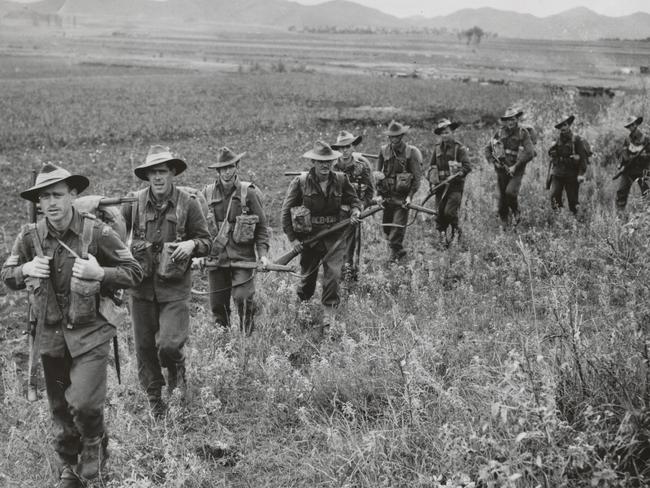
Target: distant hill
(579,23)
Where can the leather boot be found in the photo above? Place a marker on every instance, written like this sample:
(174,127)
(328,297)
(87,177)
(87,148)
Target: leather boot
(92,459)
(68,478)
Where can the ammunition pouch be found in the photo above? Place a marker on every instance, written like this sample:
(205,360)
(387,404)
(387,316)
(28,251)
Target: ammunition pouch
(37,296)
(142,252)
(83,301)
(244,231)
(301,219)
(171,269)
(403,183)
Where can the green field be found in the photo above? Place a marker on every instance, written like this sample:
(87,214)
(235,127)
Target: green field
(518,359)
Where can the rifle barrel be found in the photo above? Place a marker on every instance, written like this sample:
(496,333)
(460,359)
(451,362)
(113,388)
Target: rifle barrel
(371,156)
(293,173)
(110,201)
(420,208)
(254,265)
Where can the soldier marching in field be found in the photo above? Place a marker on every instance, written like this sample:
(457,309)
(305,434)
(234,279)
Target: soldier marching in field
(241,230)
(634,162)
(359,172)
(313,203)
(569,159)
(449,158)
(67,260)
(168,229)
(510,150)
(401,165)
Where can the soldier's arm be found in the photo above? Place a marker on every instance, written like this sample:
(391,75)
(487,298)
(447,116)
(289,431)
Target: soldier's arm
(463,158)
(262,233)
(349,196)
(527,153)
(415,167)
(121,270)
(582,149)
(292,199)
(12,274)
(197,229)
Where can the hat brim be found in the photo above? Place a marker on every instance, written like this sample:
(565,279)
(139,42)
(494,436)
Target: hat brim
(319,157)
(225,164)
(177,164)
(347,142)
(401,132)
(78,182)
(514,116)
(452,126)
(569,120)
(638,120)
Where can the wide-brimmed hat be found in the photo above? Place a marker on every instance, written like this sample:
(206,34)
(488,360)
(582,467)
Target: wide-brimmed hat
(225,158)
(51,174)
(512,113)
(443,124)
(567,119)
(322,152)
(346,138)
(159,155)
(632,119)
(396,129)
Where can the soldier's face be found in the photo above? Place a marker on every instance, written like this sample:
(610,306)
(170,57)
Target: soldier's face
(510,123)
(56,202)
(323,168)
(346,150)
(565,128)
(228,173)
(445,134)
(160,179)
(395,140)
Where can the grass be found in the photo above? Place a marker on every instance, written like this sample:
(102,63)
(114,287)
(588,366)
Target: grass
(517,359)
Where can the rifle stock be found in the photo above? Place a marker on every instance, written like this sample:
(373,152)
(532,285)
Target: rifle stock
(110,201)
(293,173)
(286,258)
(420,208)
(253,265)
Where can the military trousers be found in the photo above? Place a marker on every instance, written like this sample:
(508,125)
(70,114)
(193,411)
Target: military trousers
(509,187)
(160,331)
(448,204)
(625,185)
(330,252)
(353,240)
(568,185)
(239,284)
(76,392)
(394,223)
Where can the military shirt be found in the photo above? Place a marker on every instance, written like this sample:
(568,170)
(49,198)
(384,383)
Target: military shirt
(401,159)
(517,147)
(120,271)
(635,154)
(446,151)
(358,170)
(160,227)
(339,191)
(218,203)
(563,164)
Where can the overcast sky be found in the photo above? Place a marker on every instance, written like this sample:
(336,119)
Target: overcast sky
(428,8)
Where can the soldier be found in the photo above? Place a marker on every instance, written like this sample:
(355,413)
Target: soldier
(241,229)
(65,259)
(510,150)
(401,164)
(312,204)
(449,157)
(569,159)
(359,172)
(168,229)
(634,159)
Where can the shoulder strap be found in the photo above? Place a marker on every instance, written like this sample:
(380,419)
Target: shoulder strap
(243,195)
(182,209)
(87,234)
(38,231)
(302,179)
(142,212)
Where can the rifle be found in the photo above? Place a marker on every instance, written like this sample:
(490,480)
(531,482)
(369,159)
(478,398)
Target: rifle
(624,167)
(211,264)
(293,173)
(286,258)
(371,156)
(32,364)
(549,175)
(443,183)
(111,201)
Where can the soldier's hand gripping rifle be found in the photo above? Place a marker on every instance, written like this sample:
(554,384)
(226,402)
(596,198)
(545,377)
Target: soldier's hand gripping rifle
(624,167)
(286,258)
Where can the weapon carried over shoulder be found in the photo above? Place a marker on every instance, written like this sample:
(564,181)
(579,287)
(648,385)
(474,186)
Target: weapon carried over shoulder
(32,364)
(286,258)
(624,167)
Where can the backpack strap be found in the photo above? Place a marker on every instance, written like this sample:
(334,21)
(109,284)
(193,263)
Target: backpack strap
(302,180)
(142,213)
(87,234)
(38,232)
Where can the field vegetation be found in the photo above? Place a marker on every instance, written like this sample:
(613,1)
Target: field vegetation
(516,359)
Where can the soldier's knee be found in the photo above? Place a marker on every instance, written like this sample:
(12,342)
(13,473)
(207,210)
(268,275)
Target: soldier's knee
(169,351)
